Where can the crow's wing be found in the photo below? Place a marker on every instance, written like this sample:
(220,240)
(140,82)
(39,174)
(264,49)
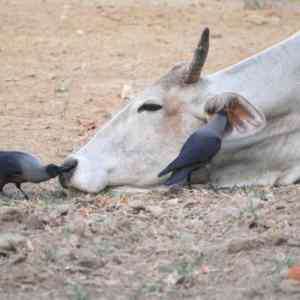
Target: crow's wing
(198,149)
(9,168)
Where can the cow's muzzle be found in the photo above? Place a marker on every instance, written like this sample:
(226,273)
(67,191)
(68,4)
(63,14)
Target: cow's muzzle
(70,164)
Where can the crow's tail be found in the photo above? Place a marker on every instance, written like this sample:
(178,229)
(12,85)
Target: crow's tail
(168,169)
(178,176)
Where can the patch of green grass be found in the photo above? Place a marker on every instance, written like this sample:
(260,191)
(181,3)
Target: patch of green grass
(67,232)
(249,211)
(281,263)
(79,293)
(135,236)
(106,248)
(63,87)
(184,268)
(108,192)
(151,287)
(49,254)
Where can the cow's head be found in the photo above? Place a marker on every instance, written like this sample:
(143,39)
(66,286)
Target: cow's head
(133,147)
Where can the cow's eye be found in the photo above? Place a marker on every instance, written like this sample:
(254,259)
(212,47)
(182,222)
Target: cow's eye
(149,107)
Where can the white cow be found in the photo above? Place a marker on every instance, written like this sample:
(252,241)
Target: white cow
(262,96)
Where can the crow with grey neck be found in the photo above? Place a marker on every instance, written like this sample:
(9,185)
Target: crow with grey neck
(19,167)
(198,150)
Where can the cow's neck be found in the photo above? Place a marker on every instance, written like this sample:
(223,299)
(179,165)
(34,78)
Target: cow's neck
(269,79)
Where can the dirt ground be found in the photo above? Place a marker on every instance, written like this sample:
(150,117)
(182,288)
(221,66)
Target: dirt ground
(63,65)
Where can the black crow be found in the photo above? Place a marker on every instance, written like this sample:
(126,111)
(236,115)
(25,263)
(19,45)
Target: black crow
(19,167)
(198,150)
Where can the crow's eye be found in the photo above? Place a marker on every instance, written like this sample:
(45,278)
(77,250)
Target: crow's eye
(149,107)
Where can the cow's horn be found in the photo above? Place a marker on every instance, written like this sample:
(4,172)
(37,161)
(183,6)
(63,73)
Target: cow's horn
(199,58)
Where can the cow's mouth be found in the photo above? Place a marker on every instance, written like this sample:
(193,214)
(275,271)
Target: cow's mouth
(65,177)
(86,176)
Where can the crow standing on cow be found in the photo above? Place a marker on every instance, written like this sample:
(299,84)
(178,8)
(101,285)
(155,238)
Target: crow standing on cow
(198,150)
(205,143)
(19,167)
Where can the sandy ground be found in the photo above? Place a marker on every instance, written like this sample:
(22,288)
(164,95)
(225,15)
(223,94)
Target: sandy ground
(63,65)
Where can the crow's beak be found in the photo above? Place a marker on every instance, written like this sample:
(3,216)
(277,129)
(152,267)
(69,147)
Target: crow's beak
(206,117)
(202,116)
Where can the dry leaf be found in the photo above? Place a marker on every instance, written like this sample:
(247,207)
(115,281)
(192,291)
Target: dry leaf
(204,269)
(88,125)
(29,245)
(126,91)
(84,212)
(294,272)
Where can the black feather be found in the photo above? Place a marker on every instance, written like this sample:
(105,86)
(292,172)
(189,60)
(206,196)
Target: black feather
(178,176)
(198,150)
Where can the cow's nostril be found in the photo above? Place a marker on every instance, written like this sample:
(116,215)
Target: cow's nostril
(69,165)
(68,168)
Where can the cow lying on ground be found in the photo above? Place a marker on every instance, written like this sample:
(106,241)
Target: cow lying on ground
(263,94)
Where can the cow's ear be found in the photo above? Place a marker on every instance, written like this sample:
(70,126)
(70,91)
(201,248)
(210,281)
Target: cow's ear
(244,118)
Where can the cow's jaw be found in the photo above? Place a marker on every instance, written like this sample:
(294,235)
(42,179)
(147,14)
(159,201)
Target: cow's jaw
(92,177)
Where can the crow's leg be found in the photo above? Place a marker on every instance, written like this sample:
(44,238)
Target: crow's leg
(18,185)
(189,179)
(211,186)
